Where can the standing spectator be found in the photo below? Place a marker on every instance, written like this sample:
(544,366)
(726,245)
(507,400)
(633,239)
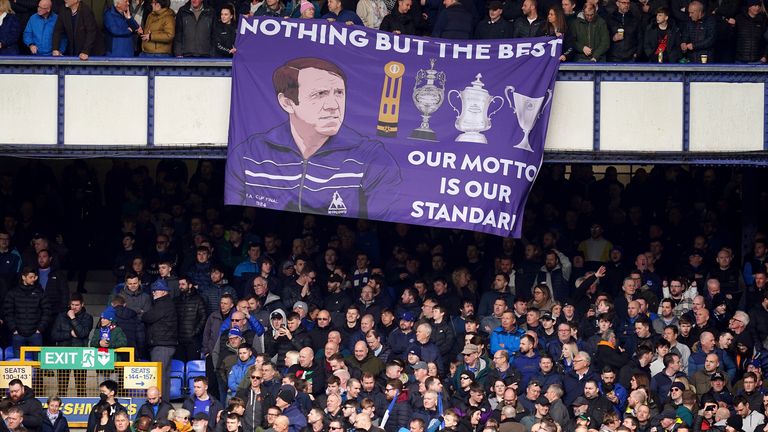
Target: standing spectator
(10,258)
(273,8)
(120,30)
(106,409)
(626,35)
(83,34)
(54,420)
(557,26)
(224,31)
(162,333)
(399,21)
(453,22)
(108,334)
(129,321)
(336,12)
(194,23)
(71,328)
(372,12)
(495,27)
(590,34)
(699,35)
(27,312)
(157,40)
(155,407)
(53,281)
(751,48)
(135,298)
(530,24)
(190,310)
(200,401)
(10,29)
(22,397)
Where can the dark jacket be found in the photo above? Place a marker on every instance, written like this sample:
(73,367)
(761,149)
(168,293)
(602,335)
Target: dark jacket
(255,407)
(750,45)
(487,29)
(652,41)
(27,310)
(161,323)
(120,34)
(395,21)
(84,37)
(60,425)
(190,312)
(61,332)
(155,413)
(213,410)
(454,22)
(521,28)
(135,334)
(400,416)
(193,35)
(57,290)
(592,34)
(33,410)
(223,39)
(702,34)
(630,47)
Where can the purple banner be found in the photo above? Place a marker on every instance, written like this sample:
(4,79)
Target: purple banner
(343,120)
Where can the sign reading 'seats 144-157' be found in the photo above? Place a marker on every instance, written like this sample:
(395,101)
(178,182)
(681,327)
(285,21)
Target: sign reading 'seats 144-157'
(76,358)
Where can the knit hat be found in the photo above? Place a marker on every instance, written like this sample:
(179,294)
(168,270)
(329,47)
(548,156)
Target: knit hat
(235,332)
(305,5)
(109,313)
(160,285)
(287,394)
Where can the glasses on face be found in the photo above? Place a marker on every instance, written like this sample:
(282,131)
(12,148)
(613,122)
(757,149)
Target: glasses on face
(322,319)
(272,414)
(255,377)
(334,427)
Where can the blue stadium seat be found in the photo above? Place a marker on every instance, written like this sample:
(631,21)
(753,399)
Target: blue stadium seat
(8,353)
(177,379)
(195,368)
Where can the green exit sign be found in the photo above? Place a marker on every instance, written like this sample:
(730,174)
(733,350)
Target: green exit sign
(76,358)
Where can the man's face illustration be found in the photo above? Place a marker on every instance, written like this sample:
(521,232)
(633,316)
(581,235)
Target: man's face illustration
(322,100)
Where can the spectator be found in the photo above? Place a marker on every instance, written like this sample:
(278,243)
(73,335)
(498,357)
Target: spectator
(556,25)
(27,312)
(155,407)
(337,13)
(495,27)
(626,33)
(54,420)
(71,328)
(454,22)
(103,412)
(23,398)
(591,38)
(372,12)
(13,417)
(120,30)
(135,298)
(698,38)
(399,20)
(162,331)
(200,401)
(273,8)
(194,23)
(108,334)
(190,310)
(751,48)
(530,24)
(10,30)
(224,33)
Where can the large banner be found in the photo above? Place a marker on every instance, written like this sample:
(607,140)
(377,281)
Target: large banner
(343,120)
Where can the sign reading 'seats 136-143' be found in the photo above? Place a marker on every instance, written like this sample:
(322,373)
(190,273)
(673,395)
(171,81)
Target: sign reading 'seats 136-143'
(76,358)
(348,121)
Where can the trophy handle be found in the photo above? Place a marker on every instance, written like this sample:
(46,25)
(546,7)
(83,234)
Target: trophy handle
(506,95)
(501,105)
(451,103)
(549,99)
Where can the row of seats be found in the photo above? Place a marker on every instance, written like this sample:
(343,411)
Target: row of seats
(182,376)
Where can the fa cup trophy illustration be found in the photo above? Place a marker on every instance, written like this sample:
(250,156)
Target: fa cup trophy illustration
(428,95)
(474,119)
(528,110)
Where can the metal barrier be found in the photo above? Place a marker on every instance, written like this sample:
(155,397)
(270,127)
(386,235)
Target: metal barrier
(79,387)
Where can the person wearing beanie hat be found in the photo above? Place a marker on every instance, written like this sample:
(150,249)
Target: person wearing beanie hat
(307,10)
(162,331)
(285,401)
(108,334)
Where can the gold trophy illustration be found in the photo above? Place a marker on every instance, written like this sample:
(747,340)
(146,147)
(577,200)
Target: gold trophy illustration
(389,108)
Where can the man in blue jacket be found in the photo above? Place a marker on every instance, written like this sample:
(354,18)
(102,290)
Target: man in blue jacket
(120,30)
(38,35)
(507,336)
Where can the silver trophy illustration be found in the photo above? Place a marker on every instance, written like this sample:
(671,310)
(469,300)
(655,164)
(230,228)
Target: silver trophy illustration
(528,110)
(474,119)
(428,95)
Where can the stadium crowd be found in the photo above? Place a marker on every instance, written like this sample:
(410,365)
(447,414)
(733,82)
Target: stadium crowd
(625,307)
(659,31)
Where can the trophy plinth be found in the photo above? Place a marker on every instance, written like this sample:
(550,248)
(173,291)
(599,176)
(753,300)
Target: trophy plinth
(428,95)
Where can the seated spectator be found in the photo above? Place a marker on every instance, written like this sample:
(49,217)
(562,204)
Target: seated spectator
(224,33)
(157,35)
(495,27)
(194,23)
(699,34)
(120,30)
(454,22)
(83,36)
(400,20)
(590,33)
